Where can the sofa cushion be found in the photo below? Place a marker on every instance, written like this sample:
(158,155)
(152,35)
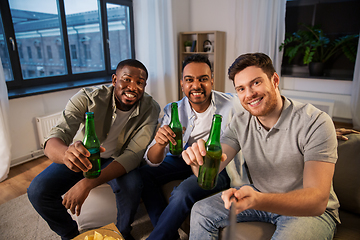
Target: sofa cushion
(99,208)
(347,174)
(349,227)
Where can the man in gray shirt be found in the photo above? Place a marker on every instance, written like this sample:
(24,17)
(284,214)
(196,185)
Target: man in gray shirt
(290,149)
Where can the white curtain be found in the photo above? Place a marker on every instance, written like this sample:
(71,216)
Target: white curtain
(5,141)
(155,44)
(355,94)
(259,26)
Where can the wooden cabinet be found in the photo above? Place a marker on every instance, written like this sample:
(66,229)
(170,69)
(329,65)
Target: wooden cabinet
(210,43)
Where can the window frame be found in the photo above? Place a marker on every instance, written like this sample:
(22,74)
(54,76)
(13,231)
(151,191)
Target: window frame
(20,87)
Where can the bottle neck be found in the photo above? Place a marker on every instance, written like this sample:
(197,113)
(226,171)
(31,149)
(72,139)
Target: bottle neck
(174,112)
(214,136)
(90,124)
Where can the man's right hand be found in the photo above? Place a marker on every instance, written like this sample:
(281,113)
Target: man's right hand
(194,155)
(76,157)
(341,132)
(164,135)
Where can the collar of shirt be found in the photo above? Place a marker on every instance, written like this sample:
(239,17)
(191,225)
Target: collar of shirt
(283,121)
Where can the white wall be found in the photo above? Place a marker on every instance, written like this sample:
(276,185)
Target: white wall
(215,15)
(23,111)
(337,91)
(182,21)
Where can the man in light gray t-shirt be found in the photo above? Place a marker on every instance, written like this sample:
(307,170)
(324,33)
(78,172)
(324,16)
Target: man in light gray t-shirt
(290,150)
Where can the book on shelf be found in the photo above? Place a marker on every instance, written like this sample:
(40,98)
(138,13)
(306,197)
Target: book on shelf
(193,46)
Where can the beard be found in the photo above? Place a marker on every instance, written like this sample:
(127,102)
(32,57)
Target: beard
(268,104)
(198,100)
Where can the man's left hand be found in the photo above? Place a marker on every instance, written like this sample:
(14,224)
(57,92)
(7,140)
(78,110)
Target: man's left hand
(75,197)
(244,198)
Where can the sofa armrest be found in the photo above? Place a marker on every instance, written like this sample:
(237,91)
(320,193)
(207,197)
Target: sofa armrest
(347,174)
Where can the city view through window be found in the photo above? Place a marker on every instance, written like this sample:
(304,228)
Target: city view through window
(40,41)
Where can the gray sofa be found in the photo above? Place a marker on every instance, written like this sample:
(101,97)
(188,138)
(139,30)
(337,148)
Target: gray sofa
(346,186)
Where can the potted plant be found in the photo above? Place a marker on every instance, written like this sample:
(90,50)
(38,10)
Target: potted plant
(316,48)
(188,45)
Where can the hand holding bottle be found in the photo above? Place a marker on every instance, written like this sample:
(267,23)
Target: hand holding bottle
(164,135)
(194,154)
(175,125)
(76,157)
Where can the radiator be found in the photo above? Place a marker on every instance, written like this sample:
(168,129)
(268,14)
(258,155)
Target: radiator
(44,124)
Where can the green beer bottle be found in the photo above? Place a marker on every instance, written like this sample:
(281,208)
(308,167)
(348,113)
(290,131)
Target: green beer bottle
(92,144)
(175,125)
(208,172)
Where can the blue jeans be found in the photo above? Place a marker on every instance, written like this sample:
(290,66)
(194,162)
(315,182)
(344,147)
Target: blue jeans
(46,189)
(167,218)
(209,215)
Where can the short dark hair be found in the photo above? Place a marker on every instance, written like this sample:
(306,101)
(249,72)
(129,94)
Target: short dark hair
(198,58)
(132,63)
(259,60)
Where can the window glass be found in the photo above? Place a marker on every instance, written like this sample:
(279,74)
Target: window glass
(49,52)
(119,33)
(84,28)
(73,52)
(36,25)
(29,52)
(336,19)
(4,54)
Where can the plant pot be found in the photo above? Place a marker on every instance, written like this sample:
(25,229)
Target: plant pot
(188,48)
(316,69)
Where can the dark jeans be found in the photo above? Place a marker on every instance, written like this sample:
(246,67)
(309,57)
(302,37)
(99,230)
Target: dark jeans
(46,189)
(167,218)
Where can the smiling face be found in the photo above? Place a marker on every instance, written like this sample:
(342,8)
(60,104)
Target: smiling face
(197,84)
(257,93)
(129,83)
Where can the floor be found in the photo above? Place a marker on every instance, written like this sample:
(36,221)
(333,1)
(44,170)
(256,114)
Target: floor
(20,177)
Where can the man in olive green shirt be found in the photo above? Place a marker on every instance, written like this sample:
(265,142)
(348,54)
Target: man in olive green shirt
(125,121)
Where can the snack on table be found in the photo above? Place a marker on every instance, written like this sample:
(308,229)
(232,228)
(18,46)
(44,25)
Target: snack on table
(99,236)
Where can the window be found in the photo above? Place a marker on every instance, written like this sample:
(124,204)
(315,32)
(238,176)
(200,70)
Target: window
(31,73)
(29,52)
(87,52)
(38,50)
(4,54)
(73,52)
(84,39)
(59,48)
(119,34)
(49,52)
(337,18)
(20,49)
(41,72)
